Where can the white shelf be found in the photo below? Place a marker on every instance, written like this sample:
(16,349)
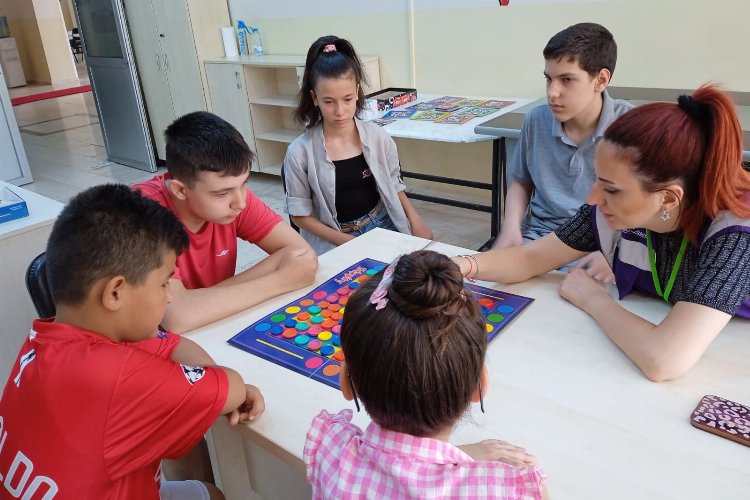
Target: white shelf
(286,135)
(271,169)
(287,101)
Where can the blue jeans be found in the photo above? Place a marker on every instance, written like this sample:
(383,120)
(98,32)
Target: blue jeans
(369,222)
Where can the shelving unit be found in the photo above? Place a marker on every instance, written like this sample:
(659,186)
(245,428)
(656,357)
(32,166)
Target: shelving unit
(258,95)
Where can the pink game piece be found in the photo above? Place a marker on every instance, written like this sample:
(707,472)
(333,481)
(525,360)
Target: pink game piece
(343,291)
(319,295)
(314,345)
(333,298)
(336,329)
(313,363)
(313,331)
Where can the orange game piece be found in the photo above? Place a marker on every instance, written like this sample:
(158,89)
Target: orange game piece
(343,300)
(336,316)
(303,316)
(323,304)
(328,323)
(334,307)
(306,302)
(289,333)
(486,302)
(331,370)
(338,355)
(326,313)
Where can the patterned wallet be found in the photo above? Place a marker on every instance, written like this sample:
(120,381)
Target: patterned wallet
(724,418)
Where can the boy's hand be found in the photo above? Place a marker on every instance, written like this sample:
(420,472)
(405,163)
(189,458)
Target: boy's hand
(509,237)
(248,411)
(500,451)
(299,266)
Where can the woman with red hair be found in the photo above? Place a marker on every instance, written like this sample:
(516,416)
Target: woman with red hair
(670,211)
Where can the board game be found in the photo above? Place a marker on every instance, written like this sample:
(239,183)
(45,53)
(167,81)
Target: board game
(304,335)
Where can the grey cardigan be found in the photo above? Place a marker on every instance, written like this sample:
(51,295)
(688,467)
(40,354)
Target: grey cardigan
(310,178)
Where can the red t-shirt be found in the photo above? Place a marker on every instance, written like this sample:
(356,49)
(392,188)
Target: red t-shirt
(212,255)
(85,417)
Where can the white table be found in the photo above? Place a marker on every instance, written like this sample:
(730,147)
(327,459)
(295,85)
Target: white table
(558,387)
(20,241)
(463,133)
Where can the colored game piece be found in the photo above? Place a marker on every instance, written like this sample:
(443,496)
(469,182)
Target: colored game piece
(312,347)
(331,370)
(313,363)
(325,335)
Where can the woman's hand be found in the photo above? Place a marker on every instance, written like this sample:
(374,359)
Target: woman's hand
(500,451)
(582,290)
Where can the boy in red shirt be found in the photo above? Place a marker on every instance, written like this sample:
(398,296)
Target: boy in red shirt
(208,164)
(99,395)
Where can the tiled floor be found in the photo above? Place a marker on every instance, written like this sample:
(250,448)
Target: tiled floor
(66,153)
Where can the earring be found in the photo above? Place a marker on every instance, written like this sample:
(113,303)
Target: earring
(665,215)
(356,401)
(481,397)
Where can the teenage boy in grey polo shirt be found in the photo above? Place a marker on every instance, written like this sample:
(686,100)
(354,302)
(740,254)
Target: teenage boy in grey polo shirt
(552,171)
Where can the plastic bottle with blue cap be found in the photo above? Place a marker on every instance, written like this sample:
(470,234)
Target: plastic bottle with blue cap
(255,41)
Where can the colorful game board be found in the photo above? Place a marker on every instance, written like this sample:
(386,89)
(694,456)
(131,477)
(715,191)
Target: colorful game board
(304,335)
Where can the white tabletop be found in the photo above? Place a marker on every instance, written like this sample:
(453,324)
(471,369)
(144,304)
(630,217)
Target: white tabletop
(431,131)
(42,211)
(558,387)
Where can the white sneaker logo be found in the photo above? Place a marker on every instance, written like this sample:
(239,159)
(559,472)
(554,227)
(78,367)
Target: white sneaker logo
(222,253)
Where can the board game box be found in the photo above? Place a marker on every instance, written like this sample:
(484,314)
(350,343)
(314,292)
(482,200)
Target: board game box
(304,335)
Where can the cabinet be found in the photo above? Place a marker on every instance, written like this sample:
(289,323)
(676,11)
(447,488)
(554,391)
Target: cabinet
(14,166)
(170,40)
(258,96)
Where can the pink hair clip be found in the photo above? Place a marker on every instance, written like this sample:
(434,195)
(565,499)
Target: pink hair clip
(329,48)
(380,296)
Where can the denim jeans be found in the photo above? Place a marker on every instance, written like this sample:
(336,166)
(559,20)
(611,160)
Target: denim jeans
(381,220)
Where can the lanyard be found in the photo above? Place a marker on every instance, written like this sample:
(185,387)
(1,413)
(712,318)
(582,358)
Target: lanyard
(672,275)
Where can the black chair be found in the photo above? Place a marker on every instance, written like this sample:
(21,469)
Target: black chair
(283,183)
(38,287)
(75,43)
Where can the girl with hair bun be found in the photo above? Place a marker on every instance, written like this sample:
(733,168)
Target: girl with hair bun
(415,342)
(670,211)
(342,176)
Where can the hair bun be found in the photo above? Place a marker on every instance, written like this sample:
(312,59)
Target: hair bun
(426,283)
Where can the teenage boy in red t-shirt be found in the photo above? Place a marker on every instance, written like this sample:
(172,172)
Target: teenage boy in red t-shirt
(208,164)
(99,395)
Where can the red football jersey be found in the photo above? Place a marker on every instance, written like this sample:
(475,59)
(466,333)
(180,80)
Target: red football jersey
(212,255)
(85,417)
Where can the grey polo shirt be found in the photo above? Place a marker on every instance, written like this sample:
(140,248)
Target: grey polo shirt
(560,172)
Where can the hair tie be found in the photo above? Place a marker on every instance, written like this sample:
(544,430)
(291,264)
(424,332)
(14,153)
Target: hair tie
(698,111)
(380,296)
(329,48)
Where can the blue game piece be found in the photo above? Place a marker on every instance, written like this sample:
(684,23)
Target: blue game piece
(277,329)
(290,323)
(336,340)
(484,310)
(505,308)
(301,340)
(378,268)
(354,285)
(262,327)
(327,350)
(302,326)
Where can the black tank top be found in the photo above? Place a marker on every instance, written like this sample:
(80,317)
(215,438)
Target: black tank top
(356,190)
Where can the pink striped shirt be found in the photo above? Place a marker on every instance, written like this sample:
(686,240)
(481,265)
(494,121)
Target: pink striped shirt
(344,462)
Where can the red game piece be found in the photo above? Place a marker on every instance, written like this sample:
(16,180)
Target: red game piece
(486,302)
(319,295)
(313,363)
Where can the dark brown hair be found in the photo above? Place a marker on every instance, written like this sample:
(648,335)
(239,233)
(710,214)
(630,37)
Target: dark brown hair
(203,142)
(416,363)
(698,144)
(591,44)
(333,64)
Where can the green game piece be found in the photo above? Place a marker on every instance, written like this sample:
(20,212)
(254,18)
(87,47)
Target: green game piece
(495,318)
(278,318)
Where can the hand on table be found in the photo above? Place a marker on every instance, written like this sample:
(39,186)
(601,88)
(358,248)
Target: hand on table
(500,451)
(298,266)
(597,267)
(581,290)
(248,411)
(509,237)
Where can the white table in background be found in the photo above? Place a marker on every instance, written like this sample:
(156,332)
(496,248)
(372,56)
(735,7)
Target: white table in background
(559,387)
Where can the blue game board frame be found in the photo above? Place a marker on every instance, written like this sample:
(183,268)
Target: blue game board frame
(263,337)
